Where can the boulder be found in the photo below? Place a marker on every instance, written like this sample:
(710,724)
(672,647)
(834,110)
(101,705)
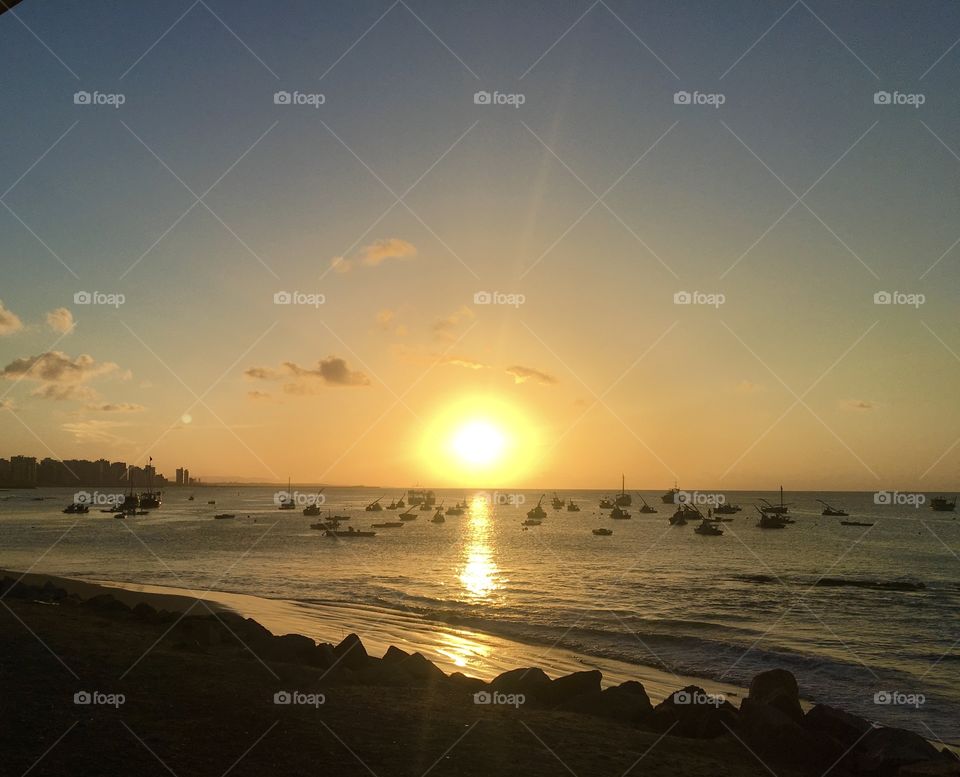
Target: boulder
(883,751)
(691,712)
(291,649)
(467,684)
(774,734)
(401,669)
(576,684)
(144,611)
(627,703)
(106,603)
(778,688)
(531,682)
(351,654)
(841,726)
(945,767)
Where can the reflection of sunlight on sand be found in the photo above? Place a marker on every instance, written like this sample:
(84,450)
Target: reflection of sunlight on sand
(479,574)
(462,652)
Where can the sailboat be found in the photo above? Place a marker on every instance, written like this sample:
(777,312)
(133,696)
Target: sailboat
(623,498)
(374,506)
(708,529)
(780,509)
(151,499)
(287,502)
(438,515)
(131,503)
(538,511)
(770,520)
(408,515)
(669,497)
(619,514)
(572,507)
(646,508)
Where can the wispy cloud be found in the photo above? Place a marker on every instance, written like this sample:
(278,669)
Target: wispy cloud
(61,376)
(446,328)
(860,405)
(61,320)
(9,321)
(115,407)
(332,371)
(375,254)
(522,374)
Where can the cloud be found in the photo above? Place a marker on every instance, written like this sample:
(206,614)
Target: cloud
(64,391)
(60,376)
(95,431)
(332,371)
(61,320)
(9,321)
(115,407)
(6,404)
(446,327)
(861,405)
(375,254)
(259,395)
(523,374)
(458,361)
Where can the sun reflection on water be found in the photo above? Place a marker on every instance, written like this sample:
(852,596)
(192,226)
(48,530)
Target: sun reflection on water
(479,575)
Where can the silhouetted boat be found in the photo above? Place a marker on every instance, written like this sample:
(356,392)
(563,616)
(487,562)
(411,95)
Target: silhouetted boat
(190,498)
(603,532)
(223,516)
(538,511)
(854,523)
(770,520)
(619,515)
(77,508)
(646,508)
(942,504)
(606,503)
(683,512)
(669,497)
(708,528)
(726,509)
(388,525)
(374,506)
(287,502)
(457,509)
(438,516)
(832,511)
(408,515)
(573,507)
(532,522)
(780,509)
(312,509)
(623,499)
(150,499)
(557,502)
(395,505)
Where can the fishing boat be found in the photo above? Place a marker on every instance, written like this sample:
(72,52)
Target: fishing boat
(374,506)
(212,502)
(670,496)
(780,509)
(77,508)
(603,532)
(417,496)
(438,516)
(151,499)
(287,502)
(532,522)
(623,499)
(683,512)
(131,502)
(726,509)
(606,503)
(223,516)
(647,509)
(557,502)
(769,520)
(396,504)
(312,509)
(387,525)
(573,507)
(833,511)
(942,504)
(855,523)
(619,515)
(408,514)
(538,511)
(457,509)
(350,532)
(708,529)
(190,498)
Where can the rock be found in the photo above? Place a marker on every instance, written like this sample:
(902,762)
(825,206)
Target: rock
(884,750)
(778,688)
(106,603)
(774,734)
(845,728)
(627,703)
(395,655)
(945,767)
(531,682)
(401,669)
(468,684)
(351,654)
(144,611)
(247,630)
(571,685)
(691,712)
(292,649)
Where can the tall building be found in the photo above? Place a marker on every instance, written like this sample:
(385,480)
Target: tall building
(186,477)
(23,470)
(179,476)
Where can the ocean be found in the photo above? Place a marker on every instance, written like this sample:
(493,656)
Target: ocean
(865,617)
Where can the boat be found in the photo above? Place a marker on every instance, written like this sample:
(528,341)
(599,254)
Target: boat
(780,509)
(312,509)
(223,516)
(374,506)
(395,504)
(557,502)
(425,506)
(726,509)
(683,512)
(833,511)
(770,520)
(151,499)
(623,499)
(438,516)
(855,523)
(603,532)
(606,503)
(619,515)
(190,498)
(646,508)
(538,511)
(942,504)
(573,507)
(351,532)
(387,525)
(458,509)
(708,529)
(120,515)
(418,496)
(670,496)
(287,502)
(212,502)
(532,522)
(408,514)
(77,508)
(131,502)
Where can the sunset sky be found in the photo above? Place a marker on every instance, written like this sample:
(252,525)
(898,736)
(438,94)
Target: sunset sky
(399,199)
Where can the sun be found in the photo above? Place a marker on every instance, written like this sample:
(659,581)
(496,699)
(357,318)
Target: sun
(479,442)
